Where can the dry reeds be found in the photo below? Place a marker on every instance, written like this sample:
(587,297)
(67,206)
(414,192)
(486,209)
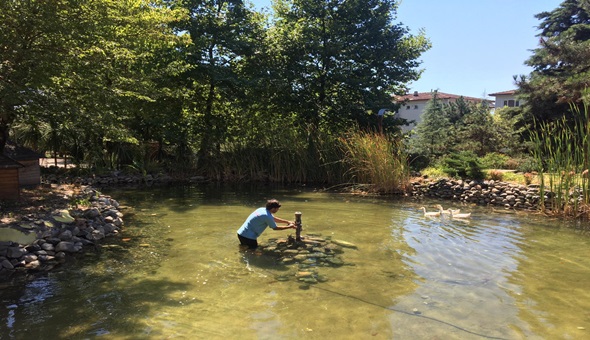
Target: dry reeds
(376,159)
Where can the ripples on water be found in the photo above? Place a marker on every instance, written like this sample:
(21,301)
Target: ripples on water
(182,275)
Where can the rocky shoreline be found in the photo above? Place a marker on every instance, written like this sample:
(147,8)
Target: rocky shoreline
(56,232)
(501,194)
(53,234)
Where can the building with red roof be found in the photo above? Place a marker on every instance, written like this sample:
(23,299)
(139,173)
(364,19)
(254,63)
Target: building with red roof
(506,98)
(413,105)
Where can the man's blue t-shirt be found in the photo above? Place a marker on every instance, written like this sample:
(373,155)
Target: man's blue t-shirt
(256,223)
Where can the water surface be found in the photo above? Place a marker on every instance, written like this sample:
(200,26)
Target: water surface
(177,272)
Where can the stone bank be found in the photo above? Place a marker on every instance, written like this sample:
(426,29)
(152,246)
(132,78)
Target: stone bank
(507,195)
(60,233)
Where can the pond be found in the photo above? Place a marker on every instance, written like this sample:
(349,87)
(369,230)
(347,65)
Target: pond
(177,272)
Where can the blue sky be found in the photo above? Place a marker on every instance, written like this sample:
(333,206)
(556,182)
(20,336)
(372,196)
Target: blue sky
(477,45)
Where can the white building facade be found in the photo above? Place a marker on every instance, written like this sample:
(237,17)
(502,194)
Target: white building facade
(413,105)
(506,98)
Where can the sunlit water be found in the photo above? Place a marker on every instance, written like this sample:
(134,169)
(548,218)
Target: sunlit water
(177,272)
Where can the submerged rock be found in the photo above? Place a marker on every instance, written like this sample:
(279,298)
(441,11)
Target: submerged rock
(306,256)
(344,244)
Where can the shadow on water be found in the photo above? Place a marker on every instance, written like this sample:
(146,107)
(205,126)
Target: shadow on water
(102,297)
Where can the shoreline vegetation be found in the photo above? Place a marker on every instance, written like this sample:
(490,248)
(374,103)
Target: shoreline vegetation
(67,213)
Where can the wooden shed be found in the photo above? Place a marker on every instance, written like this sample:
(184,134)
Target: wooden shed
(30,172)
(9,183)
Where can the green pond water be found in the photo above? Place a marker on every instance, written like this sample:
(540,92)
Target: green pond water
(176,272)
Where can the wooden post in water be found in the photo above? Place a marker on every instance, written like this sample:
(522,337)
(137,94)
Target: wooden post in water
(298,224)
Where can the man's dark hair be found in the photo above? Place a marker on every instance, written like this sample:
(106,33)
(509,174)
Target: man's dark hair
(271,204)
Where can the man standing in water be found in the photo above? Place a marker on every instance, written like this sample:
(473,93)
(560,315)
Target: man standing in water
(257,222)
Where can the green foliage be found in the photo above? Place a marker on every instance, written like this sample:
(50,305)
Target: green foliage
(433,172)
(561,63)
(459,126)
(217,87)
(563,149)
(433,133)
(476,130)
(528,164)
(509,124)
(494,160)
(462,164)
(340,61)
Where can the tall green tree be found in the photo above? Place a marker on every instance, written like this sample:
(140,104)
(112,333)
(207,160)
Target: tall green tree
(561,63)
(432,136)
(223,34)
(87,67)
(35,38)
(477,131)
(342,60)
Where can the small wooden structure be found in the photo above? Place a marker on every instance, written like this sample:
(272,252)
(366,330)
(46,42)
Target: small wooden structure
(30,172)
(9,178)
(298,224)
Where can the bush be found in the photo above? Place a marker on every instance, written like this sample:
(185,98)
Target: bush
(496,175)
(528,164)
(418,162)
(464,164)
(512,163)
(494,160)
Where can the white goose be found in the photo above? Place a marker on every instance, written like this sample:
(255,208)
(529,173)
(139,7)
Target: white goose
(453,215)
(448,211)
(430,214)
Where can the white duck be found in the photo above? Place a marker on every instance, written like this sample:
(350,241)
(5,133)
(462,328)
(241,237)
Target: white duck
(448,211)
(430,214)
(453,215)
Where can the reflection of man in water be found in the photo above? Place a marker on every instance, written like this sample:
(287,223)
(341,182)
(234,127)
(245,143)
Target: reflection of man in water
(257,222)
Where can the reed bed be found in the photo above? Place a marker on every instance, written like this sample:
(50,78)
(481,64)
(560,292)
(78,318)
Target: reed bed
(377,160)
(562,150)
(289,157)
(372,160)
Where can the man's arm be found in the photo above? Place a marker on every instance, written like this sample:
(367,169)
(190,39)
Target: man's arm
(283,227)
(280,220)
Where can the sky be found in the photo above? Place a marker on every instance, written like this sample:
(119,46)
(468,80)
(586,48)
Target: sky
(477,45)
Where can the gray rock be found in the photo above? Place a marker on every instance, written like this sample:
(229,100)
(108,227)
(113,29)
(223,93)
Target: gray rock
(6,264)
(92,213)
(65,235)
(48,246)
(67,247)
(15,252)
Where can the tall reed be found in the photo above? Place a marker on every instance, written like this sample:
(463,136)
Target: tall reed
(293,156)
(375,159)
(562,150)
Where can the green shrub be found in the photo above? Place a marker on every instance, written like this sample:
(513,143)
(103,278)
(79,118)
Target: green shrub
(494,160)
(528,164)
(433,172)
(513,163)
(464,164)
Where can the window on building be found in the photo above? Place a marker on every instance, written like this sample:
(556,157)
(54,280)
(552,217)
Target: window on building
(415,107)
(517,103)
(511,103)
(505,103)
(408,107)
